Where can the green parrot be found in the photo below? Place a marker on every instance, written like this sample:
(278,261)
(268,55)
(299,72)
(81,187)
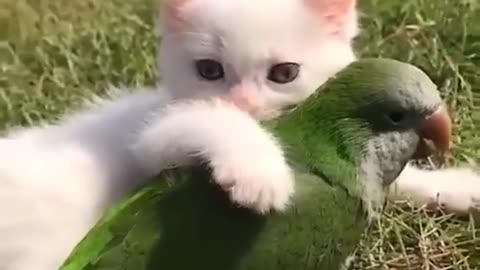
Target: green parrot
(346,143)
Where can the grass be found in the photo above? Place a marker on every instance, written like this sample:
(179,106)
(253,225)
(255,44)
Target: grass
(443,38)
(55,53)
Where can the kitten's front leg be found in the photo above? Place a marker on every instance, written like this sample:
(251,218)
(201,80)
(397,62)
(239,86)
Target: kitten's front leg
(246,160)
(452,189)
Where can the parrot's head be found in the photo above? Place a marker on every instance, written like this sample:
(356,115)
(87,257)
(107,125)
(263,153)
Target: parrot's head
(373,117)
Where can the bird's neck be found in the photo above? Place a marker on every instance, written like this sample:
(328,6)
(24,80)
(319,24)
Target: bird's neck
(322,154)
(317,152)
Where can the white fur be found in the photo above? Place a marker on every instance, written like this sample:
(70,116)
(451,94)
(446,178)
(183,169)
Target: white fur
(56,180)
(248,38)
(453,189)
(246,160)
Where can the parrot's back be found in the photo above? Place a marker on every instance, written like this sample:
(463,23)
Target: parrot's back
(191,224)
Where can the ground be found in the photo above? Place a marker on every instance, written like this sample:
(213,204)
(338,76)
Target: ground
(54,53)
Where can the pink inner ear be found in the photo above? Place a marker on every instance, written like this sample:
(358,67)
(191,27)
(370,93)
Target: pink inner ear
(175,17)
(333,11)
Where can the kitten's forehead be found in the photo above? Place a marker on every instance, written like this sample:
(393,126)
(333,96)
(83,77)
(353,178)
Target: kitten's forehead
(245,30)
(243,19)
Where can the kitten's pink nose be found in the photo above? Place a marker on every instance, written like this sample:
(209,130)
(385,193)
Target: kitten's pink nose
(243,97)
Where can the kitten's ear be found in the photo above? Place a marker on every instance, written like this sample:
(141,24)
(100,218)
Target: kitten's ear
(340,16)
(174,15)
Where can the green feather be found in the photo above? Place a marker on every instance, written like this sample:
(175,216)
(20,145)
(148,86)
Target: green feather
(192,225)
(185,222)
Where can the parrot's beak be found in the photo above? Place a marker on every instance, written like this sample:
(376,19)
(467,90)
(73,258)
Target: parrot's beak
(435,129)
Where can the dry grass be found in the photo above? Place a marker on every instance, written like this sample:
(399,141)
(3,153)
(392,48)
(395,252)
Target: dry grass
(53,53)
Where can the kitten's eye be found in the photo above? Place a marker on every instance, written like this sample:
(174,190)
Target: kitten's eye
(284,72)
(209,69)
(396,117)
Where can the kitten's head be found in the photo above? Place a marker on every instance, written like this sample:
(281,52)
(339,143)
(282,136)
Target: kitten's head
(263,55)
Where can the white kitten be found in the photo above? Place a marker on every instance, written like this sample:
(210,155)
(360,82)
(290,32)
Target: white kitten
(262,61)
(56,180)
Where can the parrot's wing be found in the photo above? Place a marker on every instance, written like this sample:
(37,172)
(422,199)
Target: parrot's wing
(111,238)
(193,225)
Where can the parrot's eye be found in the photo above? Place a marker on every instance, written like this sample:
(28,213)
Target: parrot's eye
(209,69)
(396,117)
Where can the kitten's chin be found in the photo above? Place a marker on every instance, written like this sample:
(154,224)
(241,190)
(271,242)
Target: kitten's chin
(263,114)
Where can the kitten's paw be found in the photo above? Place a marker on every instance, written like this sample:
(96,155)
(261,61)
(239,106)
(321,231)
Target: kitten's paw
(454,190)
(262,184)
(455,201)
